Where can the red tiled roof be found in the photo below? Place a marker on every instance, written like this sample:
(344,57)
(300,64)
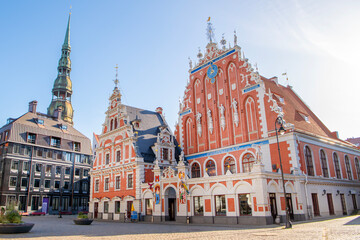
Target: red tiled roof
(294,109)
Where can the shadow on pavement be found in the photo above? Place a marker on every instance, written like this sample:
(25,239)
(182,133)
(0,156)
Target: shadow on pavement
(355,221)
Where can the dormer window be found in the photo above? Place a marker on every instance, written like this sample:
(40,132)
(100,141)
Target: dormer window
(31,138)
(306,117)
(63,127)
(165,154)
(39,121)
(280,98)
(55,142)
(76,146)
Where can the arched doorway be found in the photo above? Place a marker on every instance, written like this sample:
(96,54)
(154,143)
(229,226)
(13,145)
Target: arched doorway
(170,204)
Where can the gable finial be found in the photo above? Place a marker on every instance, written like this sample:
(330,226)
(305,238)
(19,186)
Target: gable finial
(116,81)
(235,38)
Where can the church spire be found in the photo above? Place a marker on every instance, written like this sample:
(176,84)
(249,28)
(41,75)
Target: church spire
(67,35)
(62,90)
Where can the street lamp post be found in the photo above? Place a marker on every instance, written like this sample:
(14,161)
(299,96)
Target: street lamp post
(60,207)
(279,121)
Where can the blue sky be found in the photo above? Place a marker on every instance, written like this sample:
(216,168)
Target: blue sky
(315,42)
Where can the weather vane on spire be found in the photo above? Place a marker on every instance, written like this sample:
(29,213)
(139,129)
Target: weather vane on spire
(210,31)
(116,81)
(70,9)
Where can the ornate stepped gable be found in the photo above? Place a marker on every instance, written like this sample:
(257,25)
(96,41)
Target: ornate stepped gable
(231,107)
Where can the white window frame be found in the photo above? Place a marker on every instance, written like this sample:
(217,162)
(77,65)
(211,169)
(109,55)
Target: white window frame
(115,182)
(127,180)
(105,184)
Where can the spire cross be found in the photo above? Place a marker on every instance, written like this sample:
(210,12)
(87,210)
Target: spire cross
(116,81)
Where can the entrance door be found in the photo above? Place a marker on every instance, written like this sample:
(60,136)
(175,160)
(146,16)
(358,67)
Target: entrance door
(128,209)
(96,209)
(315,204)
(273,207)
(289,202)
(354,201)
(171,209)
(330,204)
(343,204)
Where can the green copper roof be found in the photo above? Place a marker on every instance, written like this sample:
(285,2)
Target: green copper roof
(62,89)
(67,35)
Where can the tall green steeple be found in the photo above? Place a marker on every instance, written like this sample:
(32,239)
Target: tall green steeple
(62,90)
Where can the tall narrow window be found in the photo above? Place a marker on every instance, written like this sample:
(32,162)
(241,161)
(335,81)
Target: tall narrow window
(148,206)
(107,158)
(220,205)
(129,181)
(195,170)
(115,123)
(165,153)
(117,182)
(118,156)
(357,166)
(97,182)
(337,166)
(15,165)
(106,184)
(188,134)
(111,124)
(248,162)
(251,115)
(106,207)
(229,164)
(309,162)
(198,206)
(117,206)
(324,164)
(348,168)
(210,168)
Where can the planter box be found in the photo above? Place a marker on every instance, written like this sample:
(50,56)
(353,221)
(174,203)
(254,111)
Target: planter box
(83,221)
(10,228)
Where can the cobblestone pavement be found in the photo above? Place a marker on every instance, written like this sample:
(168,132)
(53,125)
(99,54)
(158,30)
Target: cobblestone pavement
(51,227)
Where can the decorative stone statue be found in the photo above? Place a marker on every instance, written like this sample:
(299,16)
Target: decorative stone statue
(210,121)
(236,114)
(222,117)
(198,123)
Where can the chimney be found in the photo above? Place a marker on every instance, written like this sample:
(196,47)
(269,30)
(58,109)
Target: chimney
(159,110)
(32,106)
(57,113)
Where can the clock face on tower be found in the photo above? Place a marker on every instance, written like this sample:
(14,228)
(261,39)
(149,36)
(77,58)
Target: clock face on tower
(212,72)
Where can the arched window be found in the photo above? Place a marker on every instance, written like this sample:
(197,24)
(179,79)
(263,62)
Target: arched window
(247,162)
(357,166)
(309,162)
(210,168)
(229,164)
(111,124)
(195,170)
(251,115)
(337,166)
(324,164)
(116,123)
(348,168)
(188,134)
